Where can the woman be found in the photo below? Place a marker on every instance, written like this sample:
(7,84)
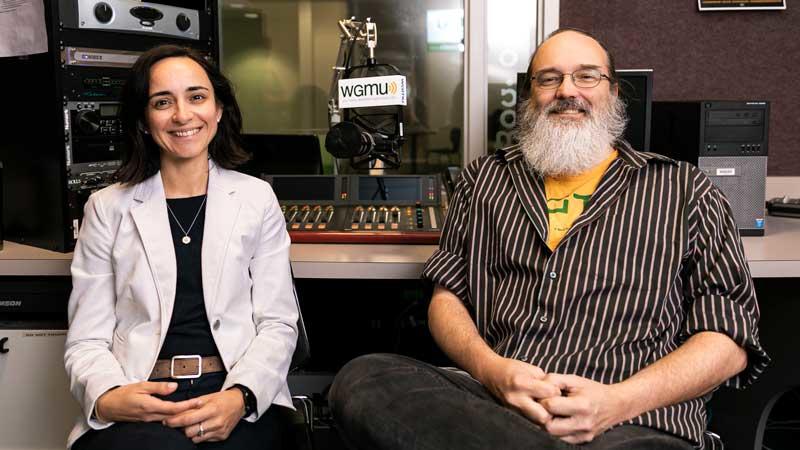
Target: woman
(181,257)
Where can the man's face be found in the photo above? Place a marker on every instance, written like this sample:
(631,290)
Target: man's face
(566,129)
(565,53)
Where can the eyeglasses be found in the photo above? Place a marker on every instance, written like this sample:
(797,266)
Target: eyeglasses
(583,78)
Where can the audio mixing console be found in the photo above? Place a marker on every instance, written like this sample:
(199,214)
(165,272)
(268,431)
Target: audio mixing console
(395,209)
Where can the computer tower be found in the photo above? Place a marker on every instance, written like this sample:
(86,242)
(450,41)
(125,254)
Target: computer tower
(62,137)
(728,141)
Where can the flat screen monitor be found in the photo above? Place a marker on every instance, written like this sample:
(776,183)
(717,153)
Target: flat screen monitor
(636,89)
(281,154)
(304,188)
(389,189)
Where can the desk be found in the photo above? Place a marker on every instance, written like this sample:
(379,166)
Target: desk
(776,255)
(341,261)
(739,417)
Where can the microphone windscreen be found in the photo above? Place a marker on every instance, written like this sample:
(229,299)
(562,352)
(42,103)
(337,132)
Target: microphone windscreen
(380,119)
(344,141)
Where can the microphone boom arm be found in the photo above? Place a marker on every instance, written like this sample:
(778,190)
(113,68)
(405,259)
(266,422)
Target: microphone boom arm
(351,134)
(353,32)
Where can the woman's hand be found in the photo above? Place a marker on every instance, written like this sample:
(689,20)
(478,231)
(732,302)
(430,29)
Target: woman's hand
(218,416)
(136,403)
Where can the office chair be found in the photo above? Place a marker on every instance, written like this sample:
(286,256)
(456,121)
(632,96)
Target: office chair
(300,422)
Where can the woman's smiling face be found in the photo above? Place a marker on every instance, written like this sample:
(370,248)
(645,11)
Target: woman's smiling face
(182,111)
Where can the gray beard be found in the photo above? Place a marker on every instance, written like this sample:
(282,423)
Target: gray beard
(557,147)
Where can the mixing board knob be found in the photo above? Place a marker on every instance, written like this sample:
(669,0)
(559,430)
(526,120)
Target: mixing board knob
(183,22)
(103,12)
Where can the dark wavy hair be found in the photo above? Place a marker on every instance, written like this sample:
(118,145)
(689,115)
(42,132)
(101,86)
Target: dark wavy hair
(141,158)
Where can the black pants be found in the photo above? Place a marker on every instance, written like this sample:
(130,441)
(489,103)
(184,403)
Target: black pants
(264,434)
(393,402)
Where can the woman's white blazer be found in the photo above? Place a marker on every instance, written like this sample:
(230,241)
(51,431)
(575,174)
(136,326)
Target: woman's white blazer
(123,289)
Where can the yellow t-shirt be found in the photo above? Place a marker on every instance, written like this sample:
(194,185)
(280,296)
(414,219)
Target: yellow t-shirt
(568,196)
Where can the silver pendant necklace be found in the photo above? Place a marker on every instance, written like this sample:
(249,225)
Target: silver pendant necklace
(186,239)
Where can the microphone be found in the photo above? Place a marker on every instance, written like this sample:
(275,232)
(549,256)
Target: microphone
(348,140)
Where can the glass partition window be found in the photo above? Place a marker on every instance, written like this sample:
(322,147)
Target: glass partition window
(279,55)
(511,39)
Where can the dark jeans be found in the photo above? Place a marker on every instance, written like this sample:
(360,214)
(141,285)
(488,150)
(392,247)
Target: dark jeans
(392,402)
(264,434)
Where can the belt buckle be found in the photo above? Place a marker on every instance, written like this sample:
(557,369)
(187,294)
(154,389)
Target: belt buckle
(181,377)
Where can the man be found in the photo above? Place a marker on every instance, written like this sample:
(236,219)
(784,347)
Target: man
(591,294)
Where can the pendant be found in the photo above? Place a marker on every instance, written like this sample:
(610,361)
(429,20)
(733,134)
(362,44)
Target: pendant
(186,239)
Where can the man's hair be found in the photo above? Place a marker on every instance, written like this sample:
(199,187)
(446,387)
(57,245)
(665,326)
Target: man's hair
(141,158)
(612,68)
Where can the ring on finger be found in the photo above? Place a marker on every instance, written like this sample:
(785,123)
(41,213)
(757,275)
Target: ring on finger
(201,432)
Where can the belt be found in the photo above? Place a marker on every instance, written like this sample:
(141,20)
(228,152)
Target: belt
(186,366)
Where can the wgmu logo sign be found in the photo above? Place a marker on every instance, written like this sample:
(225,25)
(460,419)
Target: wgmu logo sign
(372,91)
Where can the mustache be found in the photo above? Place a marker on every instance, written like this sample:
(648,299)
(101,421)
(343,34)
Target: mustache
(566,104)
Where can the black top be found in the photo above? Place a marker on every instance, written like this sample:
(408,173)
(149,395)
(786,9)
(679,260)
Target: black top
(655,258)
(189,332)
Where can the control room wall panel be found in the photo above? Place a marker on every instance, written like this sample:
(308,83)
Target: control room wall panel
(735,55)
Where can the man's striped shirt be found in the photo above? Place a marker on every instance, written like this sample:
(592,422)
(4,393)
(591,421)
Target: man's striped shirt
(654,258)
